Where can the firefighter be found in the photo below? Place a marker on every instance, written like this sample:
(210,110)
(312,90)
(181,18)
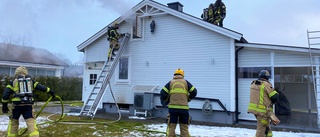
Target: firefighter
(113,38)
(262,99)
(177,93)
(219,13)
(22,88)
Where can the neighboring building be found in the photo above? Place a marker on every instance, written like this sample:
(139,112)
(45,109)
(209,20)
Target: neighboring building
(39,62)
(218,61)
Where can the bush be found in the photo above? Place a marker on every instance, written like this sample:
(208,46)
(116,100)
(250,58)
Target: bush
(68,88)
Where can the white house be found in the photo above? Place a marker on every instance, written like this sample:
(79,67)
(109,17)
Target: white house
(218,61)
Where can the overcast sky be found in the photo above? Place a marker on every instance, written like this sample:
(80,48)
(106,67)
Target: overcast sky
(61,25)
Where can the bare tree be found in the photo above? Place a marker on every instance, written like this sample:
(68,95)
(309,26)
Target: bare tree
(23,40)
(63,58)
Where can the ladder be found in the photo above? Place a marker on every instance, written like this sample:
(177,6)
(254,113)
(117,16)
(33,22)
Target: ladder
(314,44)
(90,107)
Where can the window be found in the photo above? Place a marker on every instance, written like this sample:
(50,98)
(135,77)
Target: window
(123,70)
(92,79)
(251,72)
(41,72)
(137,28)
(51,73)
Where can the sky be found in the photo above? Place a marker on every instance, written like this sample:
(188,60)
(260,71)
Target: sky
(195,130)
(60,26)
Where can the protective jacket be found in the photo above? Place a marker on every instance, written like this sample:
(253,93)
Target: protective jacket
(178,92)
(262,97)
(13,89)
(113,34)
(220,10)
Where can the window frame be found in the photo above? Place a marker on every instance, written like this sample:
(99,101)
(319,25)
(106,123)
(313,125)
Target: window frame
(117,72)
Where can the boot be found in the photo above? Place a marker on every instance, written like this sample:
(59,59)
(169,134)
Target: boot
(13,127)
(184,131)
(171,130)
(32,127)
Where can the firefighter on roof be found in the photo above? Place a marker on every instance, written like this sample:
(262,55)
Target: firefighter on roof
(177,93)
(215,13)
(262,99)
(22,88)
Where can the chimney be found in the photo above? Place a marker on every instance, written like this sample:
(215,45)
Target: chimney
(176,6)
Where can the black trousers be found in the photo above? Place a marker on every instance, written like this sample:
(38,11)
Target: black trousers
(181,115)
(25,111)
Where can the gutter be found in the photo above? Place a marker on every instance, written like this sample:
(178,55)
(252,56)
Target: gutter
(236,85)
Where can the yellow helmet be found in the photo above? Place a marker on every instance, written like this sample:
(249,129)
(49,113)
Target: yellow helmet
(21,71)
(115,25)
(179,72)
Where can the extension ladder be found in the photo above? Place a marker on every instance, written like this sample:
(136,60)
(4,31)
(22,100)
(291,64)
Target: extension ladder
(90,106)
(314,43)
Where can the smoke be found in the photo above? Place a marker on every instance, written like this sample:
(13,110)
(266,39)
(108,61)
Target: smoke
(118,6)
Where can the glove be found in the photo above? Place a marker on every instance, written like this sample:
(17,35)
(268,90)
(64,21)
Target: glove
(52,93)
(5,108)
(122,34)
(274,120)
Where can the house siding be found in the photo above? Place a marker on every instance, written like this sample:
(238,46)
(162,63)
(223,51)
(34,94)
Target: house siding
(291,59)
(177,44)
(98,50)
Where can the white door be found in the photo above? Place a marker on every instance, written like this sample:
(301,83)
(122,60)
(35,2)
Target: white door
(89,78)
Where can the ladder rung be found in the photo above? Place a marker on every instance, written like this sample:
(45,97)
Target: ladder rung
(314,37)
(99,81)
(313,31)
(315,44)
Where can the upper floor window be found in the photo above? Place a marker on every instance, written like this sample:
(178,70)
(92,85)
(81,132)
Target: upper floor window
(137,28)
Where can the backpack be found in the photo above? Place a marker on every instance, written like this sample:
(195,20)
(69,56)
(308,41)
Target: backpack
(109,33)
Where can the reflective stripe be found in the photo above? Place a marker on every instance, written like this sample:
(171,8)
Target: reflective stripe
(34,133)
(261,94)
(165,89)
(35,84)
(9,129)
(184,88)
(178,90)
(9,86)
(5,101)
(191,89)
(16,99)
(272,93)
(48,89)
(263,121)
(258,108)
(178,106)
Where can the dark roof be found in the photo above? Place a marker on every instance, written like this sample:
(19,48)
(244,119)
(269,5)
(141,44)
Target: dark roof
(27,54)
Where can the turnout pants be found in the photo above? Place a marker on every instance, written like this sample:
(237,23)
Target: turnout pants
(27,112)
(263,126)
(114,45)
(175,116)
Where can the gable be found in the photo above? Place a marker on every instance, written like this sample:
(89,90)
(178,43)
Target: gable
(149,8)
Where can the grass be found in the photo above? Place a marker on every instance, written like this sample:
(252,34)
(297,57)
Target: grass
(71,126)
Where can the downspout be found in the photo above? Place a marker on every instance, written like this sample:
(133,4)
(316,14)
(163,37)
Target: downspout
(236,84)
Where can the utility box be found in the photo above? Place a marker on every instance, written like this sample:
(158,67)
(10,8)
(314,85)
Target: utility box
(143,96)
(143,100)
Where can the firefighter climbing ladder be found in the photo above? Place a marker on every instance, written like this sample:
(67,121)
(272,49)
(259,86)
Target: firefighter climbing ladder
(90,107)
(314,43)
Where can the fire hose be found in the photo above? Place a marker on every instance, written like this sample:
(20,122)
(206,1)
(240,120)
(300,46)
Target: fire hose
(24,130)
